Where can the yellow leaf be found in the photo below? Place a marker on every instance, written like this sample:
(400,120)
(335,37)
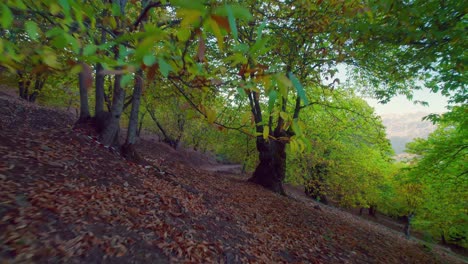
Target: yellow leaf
(217,32)
(246,117)
(266,81)
(210,115)
(284,84)
(50,58)
(54,9)
(112,22)
(284,115)
(266,132)
(189,17)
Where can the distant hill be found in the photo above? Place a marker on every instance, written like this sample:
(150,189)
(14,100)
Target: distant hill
(403,128)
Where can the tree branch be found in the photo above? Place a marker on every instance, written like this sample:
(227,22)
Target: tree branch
(143,13)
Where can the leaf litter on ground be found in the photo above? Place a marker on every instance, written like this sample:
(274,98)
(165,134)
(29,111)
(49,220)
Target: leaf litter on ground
(66,198)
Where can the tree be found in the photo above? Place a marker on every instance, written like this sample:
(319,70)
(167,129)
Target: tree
(442,170)
(349,156)
(209,50)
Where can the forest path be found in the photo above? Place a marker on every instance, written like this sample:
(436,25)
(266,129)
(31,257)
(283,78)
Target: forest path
(223,168)
(297,193)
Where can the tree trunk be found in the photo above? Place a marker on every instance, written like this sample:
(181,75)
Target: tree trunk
(128,149)
(442,239)
(271,170)
(84,83)
(140,125)
(23,85)
(38,85)
(99,107)
(167,138)
(100,81)
(406,228)
(110,134)
(373,211)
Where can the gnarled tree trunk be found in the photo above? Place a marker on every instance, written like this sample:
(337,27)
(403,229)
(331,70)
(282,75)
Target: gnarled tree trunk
(271,170)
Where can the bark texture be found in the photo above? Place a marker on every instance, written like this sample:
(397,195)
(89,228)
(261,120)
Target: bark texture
(128,148)
(27,91)
(109,135)
(84,82)
(99,107)
(271,170)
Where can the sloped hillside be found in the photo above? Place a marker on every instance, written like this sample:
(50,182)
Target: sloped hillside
(67,199)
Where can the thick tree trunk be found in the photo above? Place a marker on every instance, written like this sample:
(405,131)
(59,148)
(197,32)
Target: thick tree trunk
(128,148)
(99,107)
(110,133)
(271,170)
(84,83)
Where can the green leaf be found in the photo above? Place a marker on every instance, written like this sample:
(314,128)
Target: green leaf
(7,17)
(259,47)
(260,30)
(75,69)
(56,31)
(299,88)
(115,9)
(65,5)
(90,49)
(238,12)
(32,29)
(242,92)
(193,4)
(272,99)
(183,34)
(18,4)
(126,79)
(232,22)
(164,67)
(73,42)
(296,127)
(59,42)
(149,60)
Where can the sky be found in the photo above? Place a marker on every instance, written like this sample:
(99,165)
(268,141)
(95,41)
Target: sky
(401,105)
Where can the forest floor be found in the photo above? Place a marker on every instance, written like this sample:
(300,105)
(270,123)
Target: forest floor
(66,198)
